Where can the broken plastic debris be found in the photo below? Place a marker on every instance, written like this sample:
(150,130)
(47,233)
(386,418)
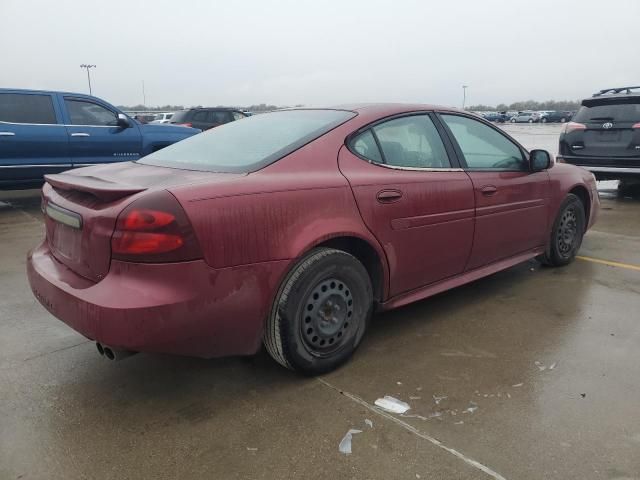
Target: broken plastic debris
(458,423)
(392,405)
(345,443)
(552,366)
(368,422)
(399,383)
(421,417)
(517,385)
(252,449)
(414,398)
(471,408)
(439,399)
(540,366)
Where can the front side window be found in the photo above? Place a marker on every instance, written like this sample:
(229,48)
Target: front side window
(220,117)
(483,147)
(238,116)
(88,113)
(24,108)
(404,142)
(251,144)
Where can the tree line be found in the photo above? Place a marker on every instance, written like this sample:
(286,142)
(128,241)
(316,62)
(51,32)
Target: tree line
(528,105)
(262,107)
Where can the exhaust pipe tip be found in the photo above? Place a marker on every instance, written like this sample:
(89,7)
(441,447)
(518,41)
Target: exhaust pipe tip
(109,353)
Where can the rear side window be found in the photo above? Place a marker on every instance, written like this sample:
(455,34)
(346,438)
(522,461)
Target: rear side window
(251,144)
(411,142)
(201,116)
(180,116)
(618,112)
(23,108)
(90,114)
(483,147)
(365,146)
(220,117)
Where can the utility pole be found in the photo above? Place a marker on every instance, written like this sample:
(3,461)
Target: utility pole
(464,95)
(88,74)
(144,96)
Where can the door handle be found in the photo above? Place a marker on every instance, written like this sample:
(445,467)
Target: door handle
(7,134)
(488,190)
(389,196)
(80,135)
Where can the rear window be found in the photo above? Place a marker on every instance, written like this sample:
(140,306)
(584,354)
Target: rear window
(629,111)
(23,108)
(180,116)
(246,146)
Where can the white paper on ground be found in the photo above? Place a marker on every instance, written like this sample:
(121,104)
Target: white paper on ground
(392,405)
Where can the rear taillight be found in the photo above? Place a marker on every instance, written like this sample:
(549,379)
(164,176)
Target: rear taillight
(188,124)
(154,228)
(636,125)
(571,126)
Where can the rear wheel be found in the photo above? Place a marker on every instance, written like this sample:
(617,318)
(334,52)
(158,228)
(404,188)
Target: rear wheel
(320,313)
(530,121)
(563,120)
(544,120)
(567,233)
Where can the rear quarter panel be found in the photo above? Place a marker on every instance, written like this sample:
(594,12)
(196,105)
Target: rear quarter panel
(279,212)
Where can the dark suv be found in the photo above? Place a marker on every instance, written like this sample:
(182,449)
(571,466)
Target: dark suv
(205,118)
(604,135)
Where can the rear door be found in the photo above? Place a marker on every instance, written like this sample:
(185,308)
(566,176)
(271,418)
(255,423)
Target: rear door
(94,134)
(605,128)
(413,197)
(511,202)
(33,140)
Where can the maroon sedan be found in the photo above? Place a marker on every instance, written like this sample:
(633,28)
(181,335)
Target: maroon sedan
(290,228)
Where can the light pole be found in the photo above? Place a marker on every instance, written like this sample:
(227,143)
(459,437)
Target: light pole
(464,95)
(88,74)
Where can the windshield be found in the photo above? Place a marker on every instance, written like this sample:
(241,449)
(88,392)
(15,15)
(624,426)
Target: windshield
(246,146)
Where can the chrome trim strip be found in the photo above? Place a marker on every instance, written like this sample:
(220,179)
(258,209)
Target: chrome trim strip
(417,169)
(610,169)
(80,134)
(59,125)
(7,134)
(64,216)
(64,165)
(88,164)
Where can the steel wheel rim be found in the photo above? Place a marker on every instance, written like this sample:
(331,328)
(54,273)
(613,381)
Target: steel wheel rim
(327,316)
(567,232)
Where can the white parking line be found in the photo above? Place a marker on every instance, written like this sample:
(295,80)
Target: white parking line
(415,431)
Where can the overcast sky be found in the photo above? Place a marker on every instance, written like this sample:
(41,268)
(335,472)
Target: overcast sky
(321,52)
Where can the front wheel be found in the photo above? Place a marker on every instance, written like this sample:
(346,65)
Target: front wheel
(530,121)
(320,313)
(544,120)
(567,233)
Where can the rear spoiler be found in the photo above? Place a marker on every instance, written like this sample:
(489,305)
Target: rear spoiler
(611,100)
(98,187)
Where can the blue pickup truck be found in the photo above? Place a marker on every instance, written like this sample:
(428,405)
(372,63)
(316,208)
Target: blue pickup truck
(48,132)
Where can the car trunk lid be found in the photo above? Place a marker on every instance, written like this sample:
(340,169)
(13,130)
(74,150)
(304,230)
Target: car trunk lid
(81,208)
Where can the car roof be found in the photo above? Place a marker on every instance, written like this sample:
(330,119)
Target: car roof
(26,90)
(384,109)
(616,94)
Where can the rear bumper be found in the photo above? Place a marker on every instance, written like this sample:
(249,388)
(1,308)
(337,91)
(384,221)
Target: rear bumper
(184,308)
(606,167)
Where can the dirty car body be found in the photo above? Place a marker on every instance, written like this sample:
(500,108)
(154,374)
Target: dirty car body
(200,248)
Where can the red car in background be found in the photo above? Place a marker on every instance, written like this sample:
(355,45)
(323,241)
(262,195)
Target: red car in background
(290,228)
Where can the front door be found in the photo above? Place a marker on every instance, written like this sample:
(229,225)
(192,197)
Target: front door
(512,203)
(413,197)
(94,134)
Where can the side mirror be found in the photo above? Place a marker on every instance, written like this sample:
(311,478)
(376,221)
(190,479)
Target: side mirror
(123,121)
(539,160)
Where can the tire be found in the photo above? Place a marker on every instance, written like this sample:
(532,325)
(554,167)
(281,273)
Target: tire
(544,120)
(566,235)
(563,120)
(513,120)
(320,312)
(530,121)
